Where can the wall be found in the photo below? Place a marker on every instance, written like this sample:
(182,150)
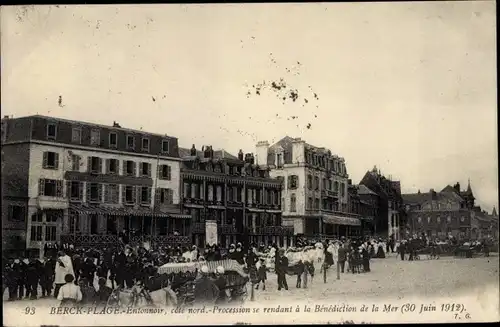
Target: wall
(286,193)
(36,170)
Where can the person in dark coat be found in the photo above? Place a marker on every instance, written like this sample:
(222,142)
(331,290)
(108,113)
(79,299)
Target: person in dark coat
(402,250)
(130,268)
(88,269)
(221,283)
(77,266)
(47,276)
(281,268)
(88,291)
(366,259)
(342,257)
(33,272)
(19,278)
(118,268)
(239,256)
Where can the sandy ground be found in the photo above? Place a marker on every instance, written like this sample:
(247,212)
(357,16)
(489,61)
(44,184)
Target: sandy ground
(389,278)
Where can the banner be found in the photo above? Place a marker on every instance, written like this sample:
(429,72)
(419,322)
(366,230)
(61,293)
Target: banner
(211,232)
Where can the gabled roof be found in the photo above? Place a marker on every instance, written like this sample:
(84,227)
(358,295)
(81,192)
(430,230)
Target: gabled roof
(449,189)
(285,143)
(362,189)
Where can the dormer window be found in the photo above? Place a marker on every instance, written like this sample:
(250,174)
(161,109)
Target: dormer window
(130,142)
(95,137)
(145,144)
(165,146)
(113,140)
(51,131)
(279,160)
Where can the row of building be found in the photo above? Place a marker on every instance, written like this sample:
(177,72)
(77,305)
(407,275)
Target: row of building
(89,184)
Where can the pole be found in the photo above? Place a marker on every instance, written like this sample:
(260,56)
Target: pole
(252,292)
(153,220)
(338,270)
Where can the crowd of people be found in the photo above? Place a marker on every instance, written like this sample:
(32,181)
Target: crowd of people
(125,266)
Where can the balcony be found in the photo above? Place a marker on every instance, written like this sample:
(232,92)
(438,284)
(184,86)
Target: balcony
(274,230)
(329,194)
(227,229)
(198,228)
(52,202)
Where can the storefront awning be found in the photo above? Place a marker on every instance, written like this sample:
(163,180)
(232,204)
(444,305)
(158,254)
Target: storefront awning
(339,220)
(124,211)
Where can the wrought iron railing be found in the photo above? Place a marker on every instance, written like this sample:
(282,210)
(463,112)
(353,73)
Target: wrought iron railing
(274,230)
(227,229)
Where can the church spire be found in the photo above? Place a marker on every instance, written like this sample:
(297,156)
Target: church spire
(494,212)
(469,189)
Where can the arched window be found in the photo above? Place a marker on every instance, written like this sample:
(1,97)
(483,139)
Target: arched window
(336,186)
(293,203)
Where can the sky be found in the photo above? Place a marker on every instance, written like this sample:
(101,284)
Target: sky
(408,87)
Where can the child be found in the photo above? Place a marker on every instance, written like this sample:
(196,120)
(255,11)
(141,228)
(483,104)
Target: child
(262,275)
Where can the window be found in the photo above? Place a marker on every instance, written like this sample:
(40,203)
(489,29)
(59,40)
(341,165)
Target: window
(129,195)
(95,137)
(111,193)
(50,160)
(165,172)
(51,131)
(95,165)
(218,193)
(145,169)
(75,162)
(146,195)
(145,144)
(37,217)
(165,196)
(336,186)
(210,193)
(16,213)
(113,140)
(325,185)
(230,195)
(316,183)
(75,190)
(293,182)
(36,233)
(279,160)
(129,168)
(112,166)
(283,204)
(330,184)
(50,187)
(165,146)
(94,192)
(309,182)
(310,203)
(130,142)
(50,233)
(293,203)
(76,135)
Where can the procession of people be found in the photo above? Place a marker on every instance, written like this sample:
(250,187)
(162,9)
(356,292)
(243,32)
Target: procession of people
(76,274)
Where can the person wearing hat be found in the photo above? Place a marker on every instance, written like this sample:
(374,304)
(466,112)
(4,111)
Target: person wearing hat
(205,290)
(281,268)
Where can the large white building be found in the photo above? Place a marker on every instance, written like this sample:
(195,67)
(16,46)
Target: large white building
(83,183)
(314,196)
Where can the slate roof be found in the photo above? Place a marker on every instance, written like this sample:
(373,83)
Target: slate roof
(362,189)
(286,144)
(218,154)
(419,198)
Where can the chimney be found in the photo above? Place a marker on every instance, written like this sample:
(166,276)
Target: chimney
(193,150)
(240,155)
(115,124)
(207,153)
(261,152)
(298,150)
(252,159)
(457,187)
(6,117)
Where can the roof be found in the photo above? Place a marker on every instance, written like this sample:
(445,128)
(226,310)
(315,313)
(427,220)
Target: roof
(138,131)
(362,189)
(218,154)
(285,143)
(419,198)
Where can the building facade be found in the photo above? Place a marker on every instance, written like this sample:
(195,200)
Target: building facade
(315,198)
(84,183)
(368,208)
(391,218)
(448,212)
(231,199)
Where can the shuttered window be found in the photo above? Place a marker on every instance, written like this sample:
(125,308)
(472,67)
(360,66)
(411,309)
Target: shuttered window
(75,162)
(145,195)
(293,182)
(94,192)
(50,187)
(112,166)
(164,196)
(95,137)
(165,172)
(50,160)
(145,169)
(111,193)
(129,168)
(293,203)
(94,165)
(128,194)
(74,190)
